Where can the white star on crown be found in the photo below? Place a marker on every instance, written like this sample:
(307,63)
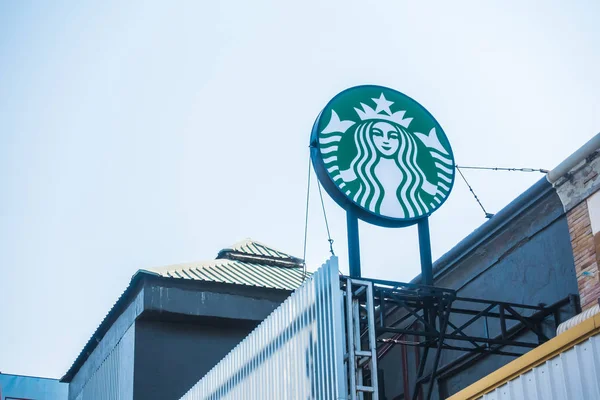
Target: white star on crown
(382,111)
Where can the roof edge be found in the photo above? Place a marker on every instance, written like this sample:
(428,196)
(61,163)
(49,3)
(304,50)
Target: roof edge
(105,325)
(251,242)
(575,158)
(29,376)
(122,303)
(452,257)
(236,255)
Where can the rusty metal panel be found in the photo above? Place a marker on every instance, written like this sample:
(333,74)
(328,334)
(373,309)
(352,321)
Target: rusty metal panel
(295,353)
(573,374)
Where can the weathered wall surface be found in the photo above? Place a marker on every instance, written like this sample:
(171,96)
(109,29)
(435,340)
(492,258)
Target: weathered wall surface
(585,244)
(578,191)
(522,255)
(580,183)
(537,271)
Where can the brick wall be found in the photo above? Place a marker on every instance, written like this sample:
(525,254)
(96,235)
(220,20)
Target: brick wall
(579,192)
(586,250)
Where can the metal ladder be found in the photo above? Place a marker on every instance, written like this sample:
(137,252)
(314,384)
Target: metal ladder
(356,357)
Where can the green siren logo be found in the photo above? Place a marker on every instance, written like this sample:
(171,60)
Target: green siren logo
(381,153)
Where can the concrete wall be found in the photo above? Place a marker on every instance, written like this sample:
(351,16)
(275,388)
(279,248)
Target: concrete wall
(170,357)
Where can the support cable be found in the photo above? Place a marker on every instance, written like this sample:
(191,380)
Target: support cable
(306,222)
(543,171)
(487,214)
(329,239)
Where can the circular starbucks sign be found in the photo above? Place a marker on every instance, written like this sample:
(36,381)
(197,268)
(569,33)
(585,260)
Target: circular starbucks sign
(381,155)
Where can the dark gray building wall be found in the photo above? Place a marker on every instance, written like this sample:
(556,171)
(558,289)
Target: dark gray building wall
(522,256)
(171,315)
(210,300)
(170,357)
(188,327)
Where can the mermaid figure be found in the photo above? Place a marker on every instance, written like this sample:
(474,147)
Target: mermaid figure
(390,181)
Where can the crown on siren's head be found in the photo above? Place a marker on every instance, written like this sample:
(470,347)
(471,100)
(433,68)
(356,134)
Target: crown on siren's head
(382,112)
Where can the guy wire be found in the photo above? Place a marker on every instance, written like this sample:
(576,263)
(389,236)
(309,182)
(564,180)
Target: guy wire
(306,222)
(487,215)
(329,239)
(543,171)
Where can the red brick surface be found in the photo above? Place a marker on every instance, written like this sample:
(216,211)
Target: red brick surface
(585,254)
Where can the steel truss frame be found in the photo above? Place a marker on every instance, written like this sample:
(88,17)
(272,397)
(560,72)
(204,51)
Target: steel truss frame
(442,320)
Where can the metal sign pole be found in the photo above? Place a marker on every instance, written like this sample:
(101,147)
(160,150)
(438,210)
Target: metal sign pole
(425,250)
(353,244)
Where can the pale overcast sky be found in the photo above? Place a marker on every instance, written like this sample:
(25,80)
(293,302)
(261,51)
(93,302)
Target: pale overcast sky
(136,134)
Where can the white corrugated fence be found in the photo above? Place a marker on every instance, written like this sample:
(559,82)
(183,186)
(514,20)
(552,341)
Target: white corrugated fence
(295,353)
(573,375)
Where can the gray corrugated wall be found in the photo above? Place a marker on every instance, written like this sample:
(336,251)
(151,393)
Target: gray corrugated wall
(113,380)
(573,374)
(114,337)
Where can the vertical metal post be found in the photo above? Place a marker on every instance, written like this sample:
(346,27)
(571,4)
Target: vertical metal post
(425,250)
(575,303)
(381,383)
(502,322)
(405,381)
(444,317)
(359,358)
(422,362)
(353,245)
(426,267)
(372,343)
(487,330)
(350,337)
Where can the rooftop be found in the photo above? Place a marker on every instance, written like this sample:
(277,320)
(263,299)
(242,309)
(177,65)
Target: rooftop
(248,263)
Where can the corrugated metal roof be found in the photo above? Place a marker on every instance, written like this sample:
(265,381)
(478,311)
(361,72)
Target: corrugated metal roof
(248,263)
(253,247)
